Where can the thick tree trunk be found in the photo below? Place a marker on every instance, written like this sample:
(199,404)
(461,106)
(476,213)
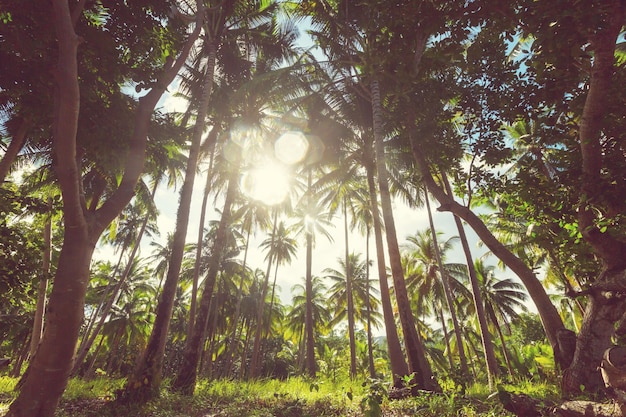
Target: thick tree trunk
(603,309)
(399,367)
(185,381)
(418,363)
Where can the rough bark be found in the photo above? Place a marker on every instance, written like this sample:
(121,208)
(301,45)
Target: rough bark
(604,308)
(418,364)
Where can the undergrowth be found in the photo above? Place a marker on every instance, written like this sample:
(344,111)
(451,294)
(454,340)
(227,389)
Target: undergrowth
(294,397)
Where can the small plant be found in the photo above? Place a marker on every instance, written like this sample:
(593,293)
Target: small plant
(373,399)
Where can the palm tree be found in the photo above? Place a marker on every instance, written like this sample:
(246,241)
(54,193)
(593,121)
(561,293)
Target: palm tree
(312,219)
(345,293)
(315,298)
(502,299)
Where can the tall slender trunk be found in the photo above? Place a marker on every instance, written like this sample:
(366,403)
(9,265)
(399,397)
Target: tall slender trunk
(185,380)
(308,319)
(485,336)
(418,364)
(42,288)
(444,329)
(370,353)
(446,289)
(199,242)
(145,381)
(350,300)
(255,365)
(399,367)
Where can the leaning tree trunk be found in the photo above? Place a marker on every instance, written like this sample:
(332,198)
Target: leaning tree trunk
(14,148)
(42,287)
(418,363)
(146,378)
(185,381)
(446,289)
(485,336)
(399,367)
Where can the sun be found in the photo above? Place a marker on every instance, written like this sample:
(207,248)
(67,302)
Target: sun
(268,183)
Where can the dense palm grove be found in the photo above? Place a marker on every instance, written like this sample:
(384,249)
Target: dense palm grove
(507,116)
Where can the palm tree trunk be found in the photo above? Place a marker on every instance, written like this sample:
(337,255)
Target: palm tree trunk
(444,329)
(146,379)
(350,300)
(446,289)
(418,363)
(399,367)
(196,266)
(16,145)
(308,321)
(186,378)
(370,353)
(256,347)
(490,356)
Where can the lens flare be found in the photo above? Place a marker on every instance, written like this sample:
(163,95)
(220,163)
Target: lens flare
(268,184)
(291,147)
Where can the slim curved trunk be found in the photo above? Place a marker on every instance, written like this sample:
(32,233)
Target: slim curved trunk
(199,242)
(485,336)
(370,353)
(548,313)
(14,148)
(42,288)
(418,364)
(185,381)
(256,347)
(399,367)
(446,289)
(145,381)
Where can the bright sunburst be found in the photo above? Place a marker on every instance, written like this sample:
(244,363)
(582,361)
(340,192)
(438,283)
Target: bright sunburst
(268,183)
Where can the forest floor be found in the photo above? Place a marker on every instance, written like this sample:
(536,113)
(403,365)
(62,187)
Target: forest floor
(292,398)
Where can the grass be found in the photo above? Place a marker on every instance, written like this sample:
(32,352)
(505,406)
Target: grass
(295,397)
